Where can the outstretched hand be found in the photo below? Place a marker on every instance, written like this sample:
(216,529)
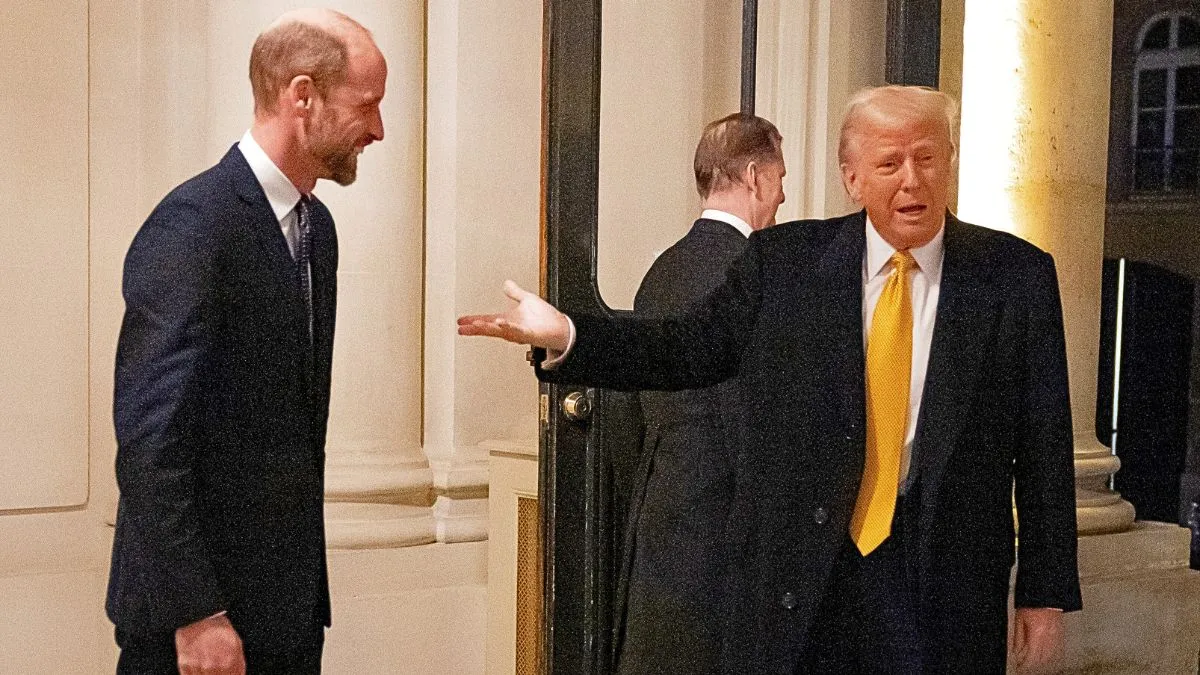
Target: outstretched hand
(532,321)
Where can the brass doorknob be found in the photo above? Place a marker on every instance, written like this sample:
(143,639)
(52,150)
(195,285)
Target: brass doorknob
(577,406)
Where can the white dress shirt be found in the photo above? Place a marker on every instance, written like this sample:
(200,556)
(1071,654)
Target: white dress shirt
(925,286)
(281,193)
(729,219)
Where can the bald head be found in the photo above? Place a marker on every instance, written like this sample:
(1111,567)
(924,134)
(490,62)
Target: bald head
(313,42)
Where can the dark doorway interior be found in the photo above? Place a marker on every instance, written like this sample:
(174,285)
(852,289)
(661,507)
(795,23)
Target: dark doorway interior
(1152,410)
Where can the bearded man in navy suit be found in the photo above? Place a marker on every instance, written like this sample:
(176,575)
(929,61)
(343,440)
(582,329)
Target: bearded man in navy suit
(901,372)
(223,371)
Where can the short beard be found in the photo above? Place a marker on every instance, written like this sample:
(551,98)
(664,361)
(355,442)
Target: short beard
(342,165)
(341,162)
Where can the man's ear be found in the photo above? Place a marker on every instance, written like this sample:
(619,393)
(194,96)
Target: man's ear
(299,94)
(850,182)
(750,177)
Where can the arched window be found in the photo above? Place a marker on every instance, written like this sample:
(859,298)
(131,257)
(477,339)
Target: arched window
(1166,101)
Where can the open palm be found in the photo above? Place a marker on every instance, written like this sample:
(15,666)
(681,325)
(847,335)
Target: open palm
(532,321)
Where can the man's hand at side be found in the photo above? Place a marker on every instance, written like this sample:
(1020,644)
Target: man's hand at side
(532,321)
(209,647)
(1037,638)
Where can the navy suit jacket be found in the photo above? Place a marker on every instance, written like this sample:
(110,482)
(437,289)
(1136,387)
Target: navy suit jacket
(220,407)
(788,320)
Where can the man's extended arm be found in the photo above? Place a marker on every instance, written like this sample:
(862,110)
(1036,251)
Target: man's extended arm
(698,348)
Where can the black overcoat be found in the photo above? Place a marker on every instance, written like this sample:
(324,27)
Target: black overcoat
(995,410)
(673,572)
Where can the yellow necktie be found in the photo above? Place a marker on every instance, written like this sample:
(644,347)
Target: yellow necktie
(889,367)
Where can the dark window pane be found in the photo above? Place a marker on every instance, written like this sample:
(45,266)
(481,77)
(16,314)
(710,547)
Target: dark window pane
(1184,170)
(1187,86)
(1159,36)
(1150,130)
(1148,172)
(1152,89)
(1189,32)
(1187,129)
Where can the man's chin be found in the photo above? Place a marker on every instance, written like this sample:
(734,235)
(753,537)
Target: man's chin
(343,170)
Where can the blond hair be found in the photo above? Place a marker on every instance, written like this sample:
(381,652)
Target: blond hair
(892,104)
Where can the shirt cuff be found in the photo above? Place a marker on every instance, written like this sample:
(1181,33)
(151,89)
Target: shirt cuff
(553,357)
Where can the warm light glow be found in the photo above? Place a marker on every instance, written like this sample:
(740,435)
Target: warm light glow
(993,100)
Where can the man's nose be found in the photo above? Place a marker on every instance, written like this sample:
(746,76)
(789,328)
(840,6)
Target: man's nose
(908,174)
(375,128)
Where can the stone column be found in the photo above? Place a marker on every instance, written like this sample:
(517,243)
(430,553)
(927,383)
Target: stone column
(378,484)
(1034,161)
(481,213)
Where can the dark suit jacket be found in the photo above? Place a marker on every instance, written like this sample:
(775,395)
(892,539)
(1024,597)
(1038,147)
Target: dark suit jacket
(673,573)
(995,409)
(220,408)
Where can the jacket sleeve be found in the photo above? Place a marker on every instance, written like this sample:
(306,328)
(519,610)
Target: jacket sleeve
(1047,567)
(162,574)
(697,348)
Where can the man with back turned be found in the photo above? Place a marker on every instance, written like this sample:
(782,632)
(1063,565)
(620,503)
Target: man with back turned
(675,556)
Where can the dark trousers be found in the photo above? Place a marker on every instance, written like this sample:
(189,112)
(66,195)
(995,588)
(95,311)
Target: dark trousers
(157,657)
(867,621)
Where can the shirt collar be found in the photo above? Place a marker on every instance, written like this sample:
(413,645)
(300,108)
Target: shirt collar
(729,219)
(280,192)
(928,257)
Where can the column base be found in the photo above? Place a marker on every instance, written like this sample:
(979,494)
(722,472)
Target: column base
(1139,600)
(357,526)
(461,483)
(1098,509)
(375,500)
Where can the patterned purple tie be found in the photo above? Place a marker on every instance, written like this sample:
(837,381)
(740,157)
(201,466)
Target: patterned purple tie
(303,258)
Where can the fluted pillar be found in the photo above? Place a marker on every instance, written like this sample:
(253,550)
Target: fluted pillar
(1034,161)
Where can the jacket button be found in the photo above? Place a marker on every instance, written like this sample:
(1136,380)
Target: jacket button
(788,600)
(820,515)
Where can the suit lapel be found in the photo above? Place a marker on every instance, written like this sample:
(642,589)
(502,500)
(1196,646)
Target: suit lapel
(260,219)
(966,313)
(840,305)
